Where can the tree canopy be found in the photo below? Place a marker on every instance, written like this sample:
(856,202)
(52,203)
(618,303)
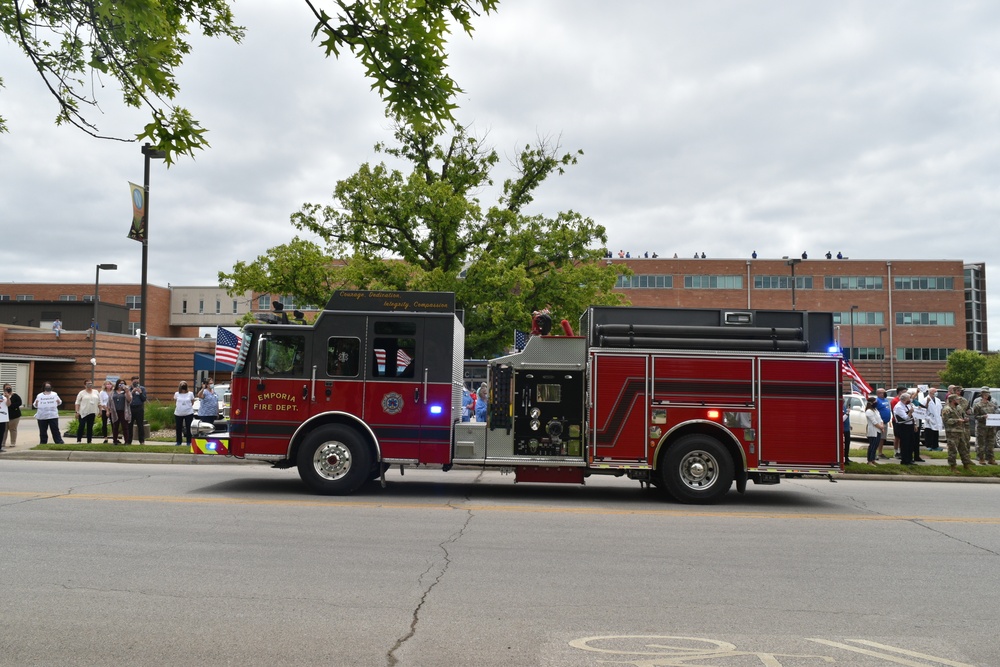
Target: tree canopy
(140,45)
(428,230)
(965,367)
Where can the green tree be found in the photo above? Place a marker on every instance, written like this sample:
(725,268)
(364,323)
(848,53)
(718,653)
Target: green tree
(140,44)
(991,374)
(428,230)
(964,367)
(299,268)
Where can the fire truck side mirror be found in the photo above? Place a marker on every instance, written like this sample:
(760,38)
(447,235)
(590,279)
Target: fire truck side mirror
(261,353)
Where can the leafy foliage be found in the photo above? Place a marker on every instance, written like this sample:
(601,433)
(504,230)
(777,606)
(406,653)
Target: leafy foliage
(964,367)
(141,43)
(428,230)
(135,42)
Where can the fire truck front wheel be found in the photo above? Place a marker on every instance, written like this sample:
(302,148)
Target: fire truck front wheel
(697,469)
(334,461)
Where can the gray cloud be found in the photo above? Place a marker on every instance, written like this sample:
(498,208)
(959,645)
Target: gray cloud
(715,126)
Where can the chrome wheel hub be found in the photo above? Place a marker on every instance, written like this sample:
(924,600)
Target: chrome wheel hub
(332,460)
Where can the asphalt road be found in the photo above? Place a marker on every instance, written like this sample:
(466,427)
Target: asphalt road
(112,564)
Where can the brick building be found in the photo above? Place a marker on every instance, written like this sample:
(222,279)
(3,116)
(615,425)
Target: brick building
(898,319)
(62,300)
(30,354)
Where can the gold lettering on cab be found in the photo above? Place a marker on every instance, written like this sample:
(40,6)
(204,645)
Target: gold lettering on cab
(276,402)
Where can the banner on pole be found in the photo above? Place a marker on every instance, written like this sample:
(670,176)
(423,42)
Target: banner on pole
(137,232)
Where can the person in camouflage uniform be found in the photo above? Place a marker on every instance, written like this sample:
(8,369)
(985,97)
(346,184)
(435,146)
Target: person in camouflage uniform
(986,436)
(956,429)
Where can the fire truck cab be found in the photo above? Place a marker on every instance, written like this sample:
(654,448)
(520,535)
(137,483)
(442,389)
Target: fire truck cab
(687,400)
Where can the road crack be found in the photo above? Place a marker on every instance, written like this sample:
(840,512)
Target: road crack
(444,563)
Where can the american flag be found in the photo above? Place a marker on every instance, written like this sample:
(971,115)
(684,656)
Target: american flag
(520,339)
(380,360)
(402,360)
(227,346)
(856,380)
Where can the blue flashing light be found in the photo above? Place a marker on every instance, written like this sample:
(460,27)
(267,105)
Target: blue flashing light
(833,349)
(436,409)
(212,446)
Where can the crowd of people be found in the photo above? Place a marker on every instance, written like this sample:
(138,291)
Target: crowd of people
(914,414)
(119,403)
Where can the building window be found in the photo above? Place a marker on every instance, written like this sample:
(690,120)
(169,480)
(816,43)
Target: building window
(218,307)
(236,305)
(184,306)
(926,319)
(923,353)
(88,298)
(67,297)
(923,282)
(25,297)
(4,297)
(264,302)
(201,306)
(645,282)
(713,282)
(853,282)
(861,318)
(133,327)
(782,282)
(133,302)
(866,353)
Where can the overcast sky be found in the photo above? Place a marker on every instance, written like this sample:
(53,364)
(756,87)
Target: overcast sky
(863,127)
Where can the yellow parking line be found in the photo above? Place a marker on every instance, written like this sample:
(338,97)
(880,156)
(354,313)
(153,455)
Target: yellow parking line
(320,501)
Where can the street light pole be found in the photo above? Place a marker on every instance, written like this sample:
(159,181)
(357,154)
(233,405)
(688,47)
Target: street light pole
(853,308)
(881,370)
(93,330)
(148,153)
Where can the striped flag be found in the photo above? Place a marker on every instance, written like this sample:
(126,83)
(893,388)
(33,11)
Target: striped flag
(520,339)
(380,360)
(856,380)
(227,346)
(402,361)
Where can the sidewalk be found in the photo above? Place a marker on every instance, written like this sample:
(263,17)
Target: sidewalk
(27,437)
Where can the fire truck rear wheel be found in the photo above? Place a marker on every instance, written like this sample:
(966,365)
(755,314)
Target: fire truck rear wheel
(334,460)
(697,469)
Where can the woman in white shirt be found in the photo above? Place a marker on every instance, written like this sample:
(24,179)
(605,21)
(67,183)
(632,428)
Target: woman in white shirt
(88,404)
(876,427)
(183,413)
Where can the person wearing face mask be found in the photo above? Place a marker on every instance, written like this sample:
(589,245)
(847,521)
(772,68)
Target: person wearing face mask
(106,390)
(4,417)
(47,405)
(208,411)
(13,415)
(183,413)
(88,404)
(120,410)
(138,406)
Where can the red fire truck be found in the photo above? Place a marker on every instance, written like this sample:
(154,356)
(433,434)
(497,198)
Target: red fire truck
(690,400)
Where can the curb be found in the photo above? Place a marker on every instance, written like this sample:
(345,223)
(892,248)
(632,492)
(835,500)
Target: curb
(125,457)
(921,478)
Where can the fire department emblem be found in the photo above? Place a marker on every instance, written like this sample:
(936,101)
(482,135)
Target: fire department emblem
(392,403)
